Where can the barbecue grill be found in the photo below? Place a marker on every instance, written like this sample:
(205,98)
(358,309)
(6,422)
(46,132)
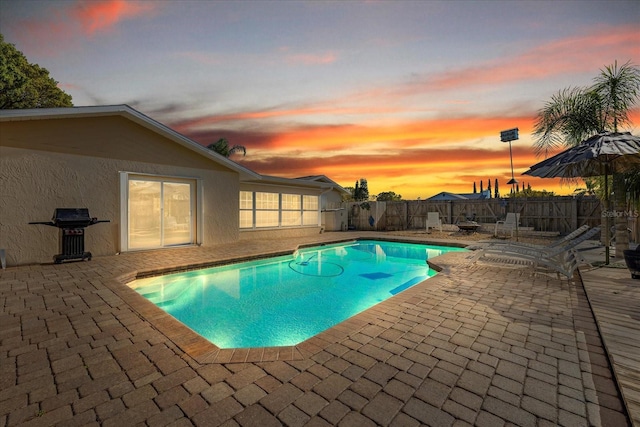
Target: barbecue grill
(71,222)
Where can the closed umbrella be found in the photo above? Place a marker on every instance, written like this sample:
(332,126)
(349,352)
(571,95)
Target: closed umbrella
(601,154)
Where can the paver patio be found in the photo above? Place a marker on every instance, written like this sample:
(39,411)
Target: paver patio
(475,345)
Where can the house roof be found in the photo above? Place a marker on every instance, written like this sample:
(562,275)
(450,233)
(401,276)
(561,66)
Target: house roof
(298,182)
(130,114)
(325,179)
(123,110)
(445,195)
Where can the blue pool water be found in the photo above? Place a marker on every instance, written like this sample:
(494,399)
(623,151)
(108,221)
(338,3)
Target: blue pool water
(286,300)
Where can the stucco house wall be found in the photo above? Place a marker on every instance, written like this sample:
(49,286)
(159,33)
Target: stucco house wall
(112,160)
(76,162)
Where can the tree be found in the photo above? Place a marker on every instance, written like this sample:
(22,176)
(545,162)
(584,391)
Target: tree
(474,188)
(361,191)
(532,193)
(222,147)
(489,187)
(388,196)
(589,190)
(497,193)
(481,190)
(349,198)
(574,114)
(26,85)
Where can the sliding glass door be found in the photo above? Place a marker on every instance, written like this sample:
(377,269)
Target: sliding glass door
(160,213)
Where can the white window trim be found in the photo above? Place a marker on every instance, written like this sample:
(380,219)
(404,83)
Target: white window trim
(125,176)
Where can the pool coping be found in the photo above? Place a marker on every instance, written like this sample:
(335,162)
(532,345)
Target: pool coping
(204,351)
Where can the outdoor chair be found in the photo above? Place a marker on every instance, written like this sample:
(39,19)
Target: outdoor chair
(434,221)
(557,242)
(510,223)
(561,258)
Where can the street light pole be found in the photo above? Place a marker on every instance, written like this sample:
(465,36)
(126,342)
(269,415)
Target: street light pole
(508,136)
(513,179)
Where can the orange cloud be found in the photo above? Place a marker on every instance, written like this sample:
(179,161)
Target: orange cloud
(415,158)
(103,15)
(187,125)
(330,136)
(432,132)
(413,172)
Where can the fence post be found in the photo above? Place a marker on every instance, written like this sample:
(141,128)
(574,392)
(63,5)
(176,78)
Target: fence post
(574,213)
(406,215)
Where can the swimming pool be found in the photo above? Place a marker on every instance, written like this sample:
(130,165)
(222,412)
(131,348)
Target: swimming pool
(285,300)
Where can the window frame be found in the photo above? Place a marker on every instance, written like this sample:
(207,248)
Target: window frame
(196,198)
(288,207)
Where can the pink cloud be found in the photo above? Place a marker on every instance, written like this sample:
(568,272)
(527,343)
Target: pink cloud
(63,24)
(570,55)
(103,15)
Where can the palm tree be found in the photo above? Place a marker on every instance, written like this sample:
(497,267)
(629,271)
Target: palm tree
(574,114)
(590,188)
(222,147)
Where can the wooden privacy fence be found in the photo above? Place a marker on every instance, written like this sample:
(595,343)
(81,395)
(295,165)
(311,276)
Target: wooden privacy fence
(561,214)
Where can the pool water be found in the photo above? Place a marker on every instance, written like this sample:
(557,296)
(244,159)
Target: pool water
(285,300)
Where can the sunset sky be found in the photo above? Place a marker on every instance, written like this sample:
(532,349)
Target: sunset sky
(411,95)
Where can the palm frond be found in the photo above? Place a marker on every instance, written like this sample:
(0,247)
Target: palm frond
(619,88)
(568,118)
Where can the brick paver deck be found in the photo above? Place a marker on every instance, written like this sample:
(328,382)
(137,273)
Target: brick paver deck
(475,345)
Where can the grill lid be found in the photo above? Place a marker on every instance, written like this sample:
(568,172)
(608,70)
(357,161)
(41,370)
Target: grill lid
(71,215)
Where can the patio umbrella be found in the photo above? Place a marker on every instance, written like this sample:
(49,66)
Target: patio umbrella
(601,154)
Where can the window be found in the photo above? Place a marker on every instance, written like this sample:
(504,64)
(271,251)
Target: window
(159,212)
(246,200)
(265,209)
(310,214)
(291,202)
(291,214)
(246,209)
(267,201)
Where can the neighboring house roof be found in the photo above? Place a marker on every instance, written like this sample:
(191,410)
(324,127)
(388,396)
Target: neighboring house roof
(445,195)
(130,114)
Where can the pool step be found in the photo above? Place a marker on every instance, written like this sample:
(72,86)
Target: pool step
(407,284)
(164,293)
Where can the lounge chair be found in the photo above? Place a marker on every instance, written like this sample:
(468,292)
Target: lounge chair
(510,223)
(561,258)
(574,234)
(434,221)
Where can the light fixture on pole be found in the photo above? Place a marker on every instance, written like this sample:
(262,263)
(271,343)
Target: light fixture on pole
(508,136)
